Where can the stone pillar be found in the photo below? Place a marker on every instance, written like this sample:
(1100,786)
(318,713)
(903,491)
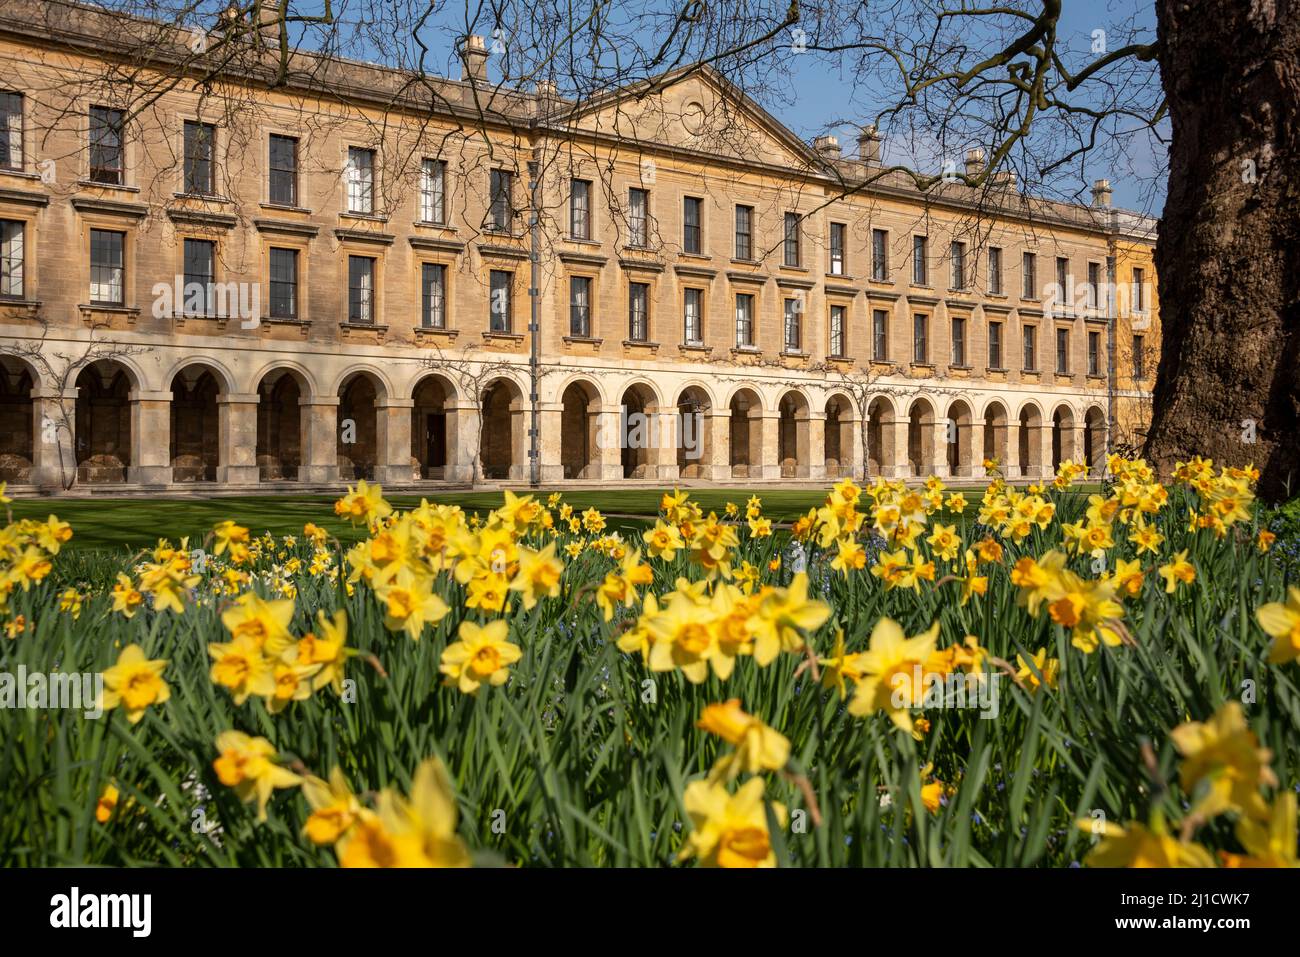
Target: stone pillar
(54,455)
(717,465)
(768,425)
(320,451)
(237,439)
(663,457)
(896,432)
(1011,460)
(151,422)
(814,426)
(938,448)
(463,423)
(551,440)
(609,450)
(1076,439)
(393,441)
(520,422)
(1045,469)
(856,451)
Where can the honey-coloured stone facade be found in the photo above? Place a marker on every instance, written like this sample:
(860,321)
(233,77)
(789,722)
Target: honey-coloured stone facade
(714,299)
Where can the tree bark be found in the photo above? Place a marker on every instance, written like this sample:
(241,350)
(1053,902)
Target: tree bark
(1228,251)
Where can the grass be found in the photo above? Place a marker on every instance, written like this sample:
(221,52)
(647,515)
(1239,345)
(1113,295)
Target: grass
(584,757)
(132,523)
(135,523)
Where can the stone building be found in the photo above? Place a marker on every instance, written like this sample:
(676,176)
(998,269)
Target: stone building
(235,283)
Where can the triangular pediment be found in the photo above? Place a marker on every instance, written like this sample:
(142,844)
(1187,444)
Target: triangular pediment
(696,110)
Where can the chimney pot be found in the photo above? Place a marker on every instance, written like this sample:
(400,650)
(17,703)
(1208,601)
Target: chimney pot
(1101,192)
(827,146)
(268,22)
(974,162)
(473,59)
(869,145)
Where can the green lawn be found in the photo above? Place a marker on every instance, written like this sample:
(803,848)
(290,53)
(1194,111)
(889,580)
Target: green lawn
(107,523)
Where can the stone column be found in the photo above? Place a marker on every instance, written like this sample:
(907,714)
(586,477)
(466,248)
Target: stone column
(938,448)
(320,451)
(237,439)
(856,451)
(1011,460)
(54,455)
(393,441)
(718,464)
(1076,440)
(463,423)
(151,422)
(768,425)
(896,432)
(663,457)
(1045,470)
(609,450)
(813,424)
(550,441)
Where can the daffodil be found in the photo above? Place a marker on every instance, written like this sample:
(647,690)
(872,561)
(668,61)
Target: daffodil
(409,607)
(242,668)
(483,655)
(931,791)
(135,682)
(729,830)
(126,599)
(334,808)
(1178,570)
(784,616)
(417,831)
(247,764)
(265,623)
(890,667)
(324,649)
(1281,621)
(663,541)
(106,804)
(1137,846)
(945,541)
(538,576)
(850,556)
(1223,755)
(363,505)
(227,534)
(683,637)
(1038,670)
(1270,843)
(1086,608)
(758,747)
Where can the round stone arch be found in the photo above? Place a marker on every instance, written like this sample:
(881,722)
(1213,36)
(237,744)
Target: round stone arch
(1029,440)
(197,389)
(435,417)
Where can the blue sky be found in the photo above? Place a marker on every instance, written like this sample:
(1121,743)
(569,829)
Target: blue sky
(818,99)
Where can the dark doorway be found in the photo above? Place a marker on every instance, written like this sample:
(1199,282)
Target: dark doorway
(435,439)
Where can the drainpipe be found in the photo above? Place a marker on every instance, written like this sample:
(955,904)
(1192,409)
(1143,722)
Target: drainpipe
(1112,332)
(534,322)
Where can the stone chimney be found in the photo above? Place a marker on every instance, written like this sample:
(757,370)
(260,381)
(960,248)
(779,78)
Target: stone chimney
(869,145)
(547,96)
(473,59)
(1101,192)
(268,23)
(827,146)
(1006,179)
(974,163)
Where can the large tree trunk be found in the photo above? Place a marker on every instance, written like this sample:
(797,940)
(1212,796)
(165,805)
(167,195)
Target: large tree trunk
(1228,254)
